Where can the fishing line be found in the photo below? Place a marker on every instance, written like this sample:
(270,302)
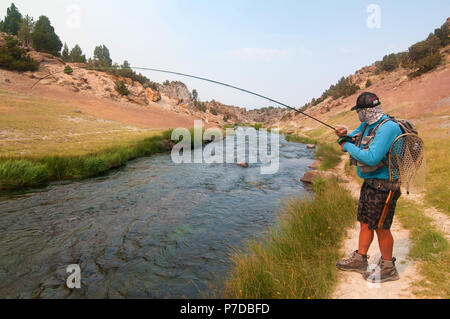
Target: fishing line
(198,78)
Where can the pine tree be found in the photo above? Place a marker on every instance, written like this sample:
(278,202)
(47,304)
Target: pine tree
(194,95)
(25,29)
(44,37)
(12,20)
(65,53)
(102,57)
(76,55)
(125,65)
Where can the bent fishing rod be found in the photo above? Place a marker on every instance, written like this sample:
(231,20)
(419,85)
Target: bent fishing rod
(198,78)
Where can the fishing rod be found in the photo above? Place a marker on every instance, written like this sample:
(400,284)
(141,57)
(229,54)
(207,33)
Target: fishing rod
(203,79)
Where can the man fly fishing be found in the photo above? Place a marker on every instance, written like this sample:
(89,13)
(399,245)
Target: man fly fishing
(368,147)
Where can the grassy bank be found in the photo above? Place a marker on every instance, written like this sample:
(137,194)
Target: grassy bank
(330,153)
(296,259)
(429,249)
(18,172)
(34,127)
(255,126)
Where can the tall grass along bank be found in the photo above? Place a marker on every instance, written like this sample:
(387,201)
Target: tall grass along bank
(28,171)
(296,258)
(329,153)
(429,248)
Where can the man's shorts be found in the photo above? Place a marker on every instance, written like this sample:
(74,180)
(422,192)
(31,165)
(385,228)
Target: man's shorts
(371,204)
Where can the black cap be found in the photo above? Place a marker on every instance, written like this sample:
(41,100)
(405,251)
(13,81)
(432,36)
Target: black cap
(366,100)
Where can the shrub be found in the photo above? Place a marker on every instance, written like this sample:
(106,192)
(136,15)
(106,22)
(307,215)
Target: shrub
(368,83)
(13,57)
(129,73)
(152,85)
(389,63)
(121,88)
(68,70)
(426,64)
(422,49)
(443,33)
(343,88)
(200,106)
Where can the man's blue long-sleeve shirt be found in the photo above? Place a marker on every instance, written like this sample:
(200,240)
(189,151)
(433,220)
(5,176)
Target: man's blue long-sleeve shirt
(378,149)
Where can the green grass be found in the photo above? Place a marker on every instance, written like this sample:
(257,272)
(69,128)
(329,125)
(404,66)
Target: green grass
(255,126)
(438,172)
(20,173)
(329,152)
(24,172)
(297,257)
(300,139)
(429,249)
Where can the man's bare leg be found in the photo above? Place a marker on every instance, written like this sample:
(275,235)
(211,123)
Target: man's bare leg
(365,239)
(386,243)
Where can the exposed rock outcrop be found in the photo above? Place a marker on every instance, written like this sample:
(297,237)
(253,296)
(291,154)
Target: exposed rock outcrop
(152,95)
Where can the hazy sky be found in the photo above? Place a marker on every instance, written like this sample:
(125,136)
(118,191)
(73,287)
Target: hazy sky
(288,50)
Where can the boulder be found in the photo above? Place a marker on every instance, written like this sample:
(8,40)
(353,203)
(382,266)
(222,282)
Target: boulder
(152,95)
(36,56)
(243,164)
(310,176)
(315,165)
(311,146)
(167,145)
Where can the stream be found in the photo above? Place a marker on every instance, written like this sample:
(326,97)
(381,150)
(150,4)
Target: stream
(152,229)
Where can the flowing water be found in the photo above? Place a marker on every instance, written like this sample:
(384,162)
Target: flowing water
(153,229)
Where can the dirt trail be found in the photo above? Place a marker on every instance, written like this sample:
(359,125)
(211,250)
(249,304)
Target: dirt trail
(439,220)
(352,285)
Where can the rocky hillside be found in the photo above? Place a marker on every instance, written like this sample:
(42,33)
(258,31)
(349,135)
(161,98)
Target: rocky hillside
(385,84)
(171,96)
(175,97)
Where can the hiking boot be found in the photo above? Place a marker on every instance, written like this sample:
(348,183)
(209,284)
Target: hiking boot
(384,271)
(356,262)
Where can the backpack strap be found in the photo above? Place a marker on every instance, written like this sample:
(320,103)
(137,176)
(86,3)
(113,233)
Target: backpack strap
(360,135)
(378,126)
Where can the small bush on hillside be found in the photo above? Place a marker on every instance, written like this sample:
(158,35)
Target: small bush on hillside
(68,70)
(368,83)
(213,111)
(13,57)
(129,73)
(121,88)
(425,55)
(345,87)
(427,64)
(152,85)
(389,63)
(443,33)
(200,106)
